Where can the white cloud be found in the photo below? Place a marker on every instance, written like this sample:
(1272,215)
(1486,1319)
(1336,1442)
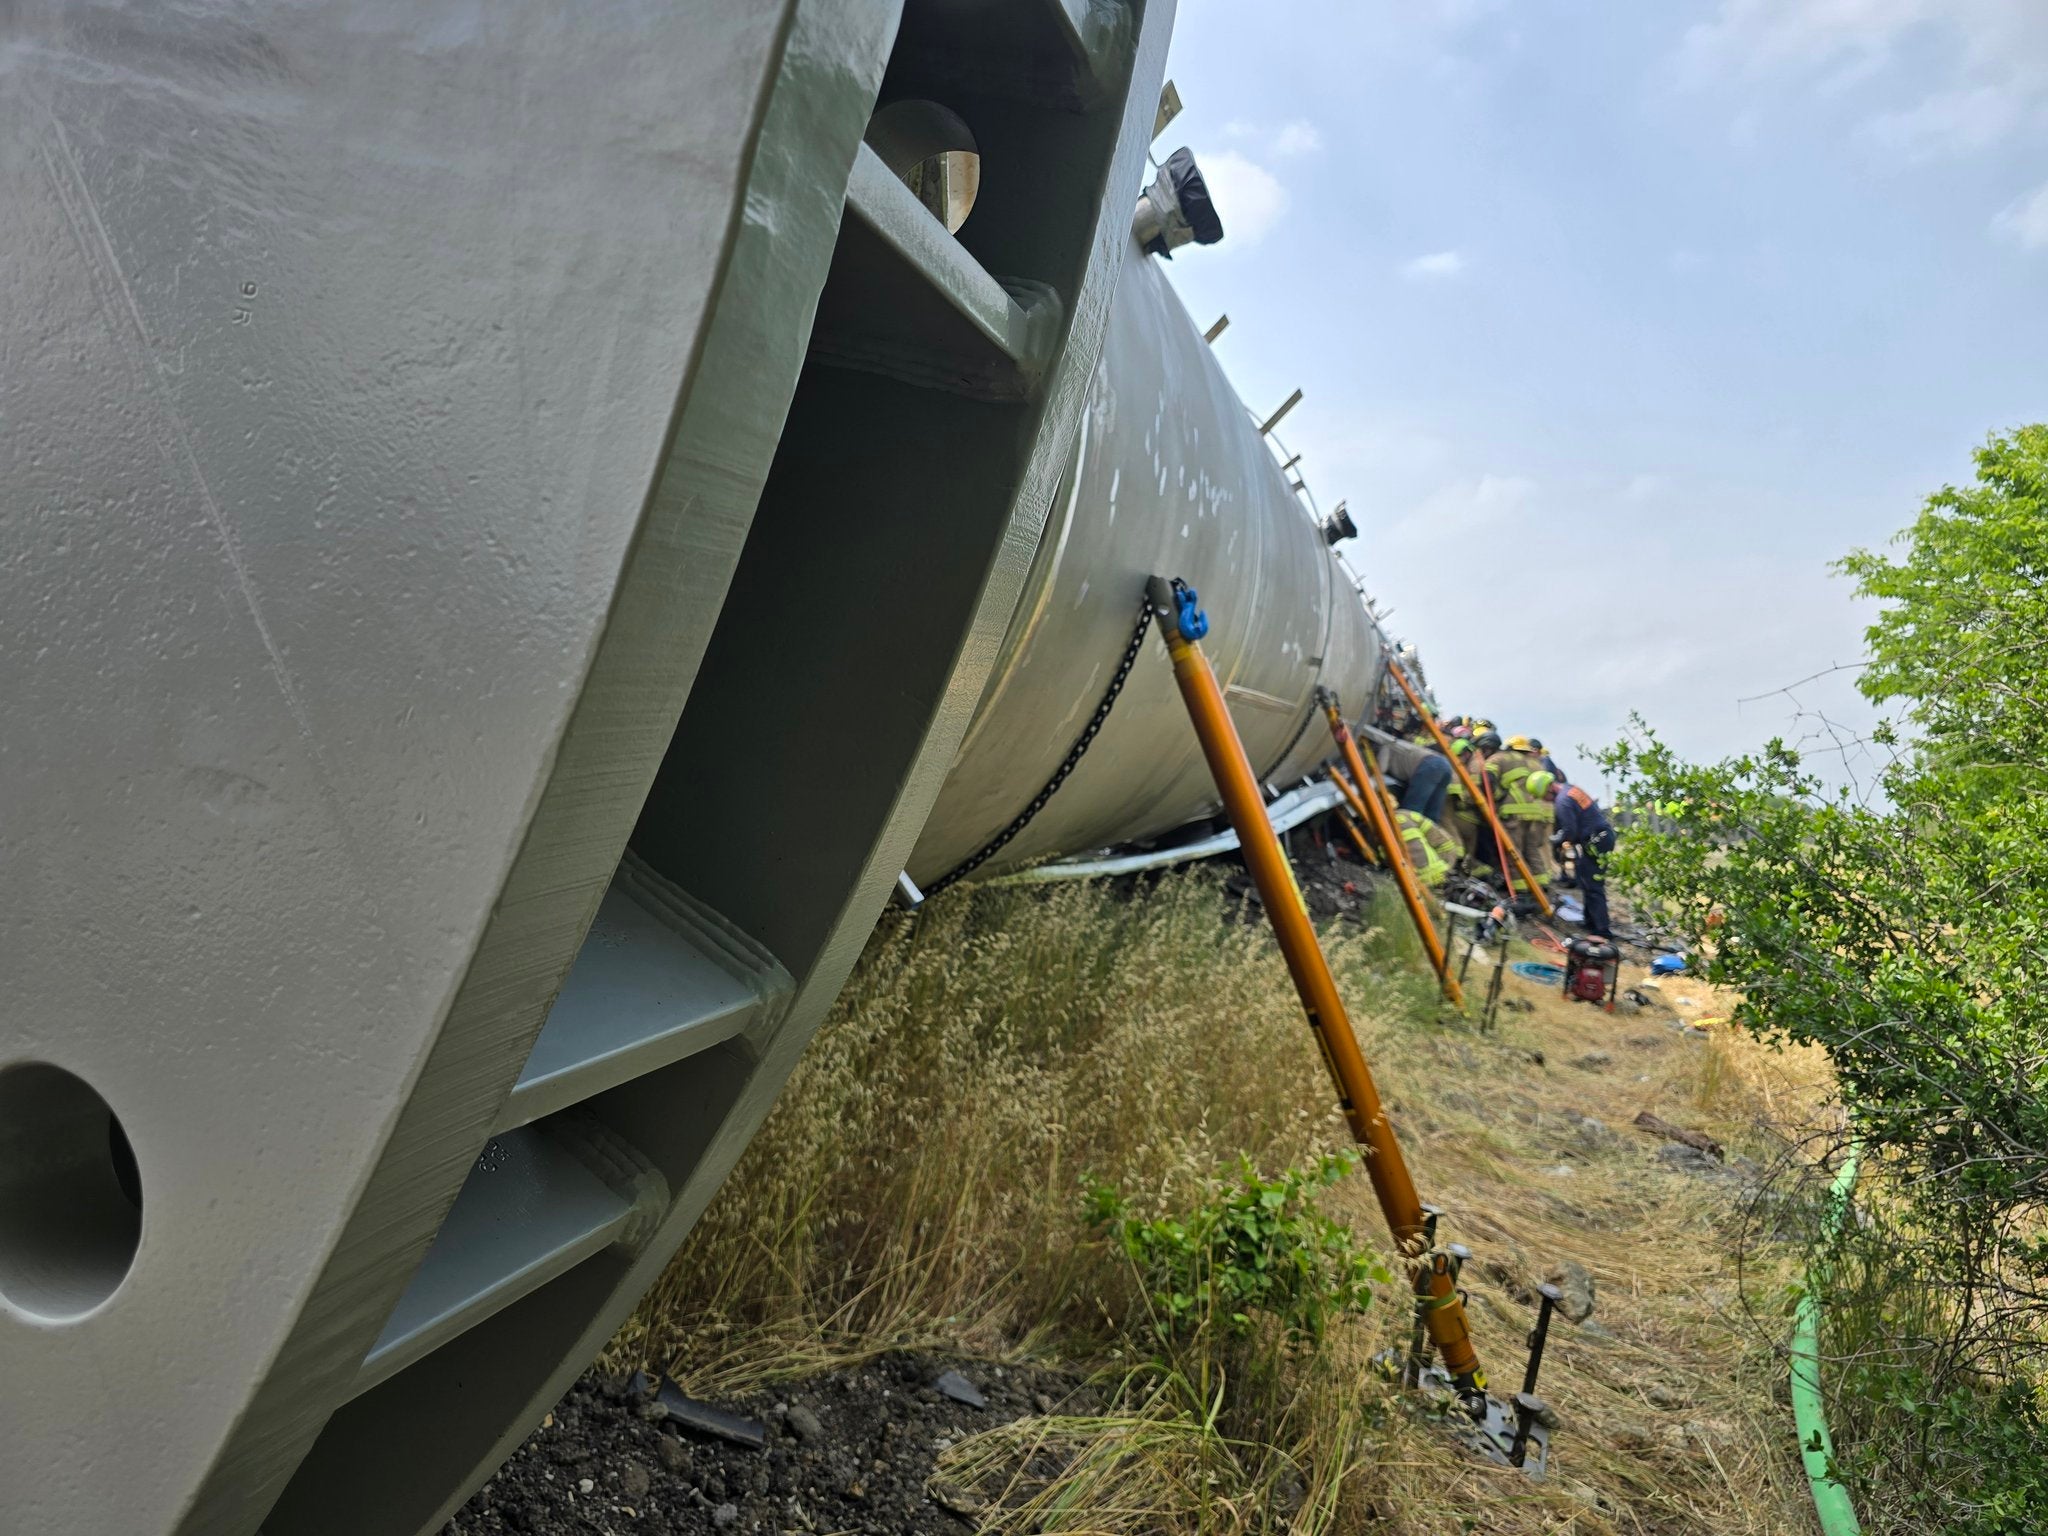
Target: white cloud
(1299,137)
(1249,198)
(1396,455)
(1949,123)
(1981,65)
(1434,266)
(1684,628)
(1759,37)
(1477,507)
(2025,219)
(1296,136)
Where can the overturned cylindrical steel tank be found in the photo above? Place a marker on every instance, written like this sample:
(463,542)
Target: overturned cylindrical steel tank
(1171,476)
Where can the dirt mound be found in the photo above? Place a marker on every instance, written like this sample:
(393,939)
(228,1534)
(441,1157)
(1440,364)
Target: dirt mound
(850,1450)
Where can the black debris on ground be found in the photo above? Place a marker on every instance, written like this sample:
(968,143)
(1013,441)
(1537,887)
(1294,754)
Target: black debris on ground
(850,1450)
(1335,889)
(1333,882)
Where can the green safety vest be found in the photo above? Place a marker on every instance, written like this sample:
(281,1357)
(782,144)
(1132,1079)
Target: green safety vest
(1427,845)
(1511,772)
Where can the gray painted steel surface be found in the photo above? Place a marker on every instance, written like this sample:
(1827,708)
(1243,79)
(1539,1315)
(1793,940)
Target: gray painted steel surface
(344,344)
(441,443)
(1170,476)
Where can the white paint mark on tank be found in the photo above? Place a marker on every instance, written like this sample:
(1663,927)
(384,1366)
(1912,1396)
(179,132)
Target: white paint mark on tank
(1183,530)
(1081,596)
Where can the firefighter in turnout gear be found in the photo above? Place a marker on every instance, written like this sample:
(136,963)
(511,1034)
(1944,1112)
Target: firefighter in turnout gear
(1431,850)
(1461,819)
(1521,794)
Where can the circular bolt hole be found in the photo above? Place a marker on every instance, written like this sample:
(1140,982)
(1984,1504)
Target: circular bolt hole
(932,150)
(70,1194)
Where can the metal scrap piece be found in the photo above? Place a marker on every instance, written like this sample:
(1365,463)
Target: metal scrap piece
(703,1419)
(952,1384)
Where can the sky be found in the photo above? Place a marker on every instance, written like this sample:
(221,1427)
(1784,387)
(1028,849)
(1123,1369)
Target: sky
(1616,324)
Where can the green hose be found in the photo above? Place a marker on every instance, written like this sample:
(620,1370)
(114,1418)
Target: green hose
(1816,1446)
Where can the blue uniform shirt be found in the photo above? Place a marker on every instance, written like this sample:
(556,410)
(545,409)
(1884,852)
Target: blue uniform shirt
(1581,824)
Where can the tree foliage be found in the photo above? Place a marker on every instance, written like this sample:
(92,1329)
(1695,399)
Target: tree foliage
(1963,639)
(1905,928)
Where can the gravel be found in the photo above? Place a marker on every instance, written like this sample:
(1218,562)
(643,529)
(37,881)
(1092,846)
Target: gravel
(851,1451)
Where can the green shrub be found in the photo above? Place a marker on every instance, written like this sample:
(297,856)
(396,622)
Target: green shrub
(1255,1249)
(1897,924)
(1966,1462)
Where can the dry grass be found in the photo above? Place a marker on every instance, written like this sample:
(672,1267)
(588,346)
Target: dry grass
(919,1179)
(1671,1424)
(918,1183)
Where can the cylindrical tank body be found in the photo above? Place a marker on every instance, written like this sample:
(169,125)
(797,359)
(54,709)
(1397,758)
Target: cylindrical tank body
(1170,476)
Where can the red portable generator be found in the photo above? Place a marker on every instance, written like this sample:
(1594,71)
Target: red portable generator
(1592,972)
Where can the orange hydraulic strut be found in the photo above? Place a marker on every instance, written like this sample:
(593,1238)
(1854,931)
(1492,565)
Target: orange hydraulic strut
(1359,838)
(1435,1275)
(1373,789)
(1358,811)
(1511,854)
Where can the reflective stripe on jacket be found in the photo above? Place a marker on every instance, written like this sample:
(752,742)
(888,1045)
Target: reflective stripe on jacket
(1431,849)
(1512,797)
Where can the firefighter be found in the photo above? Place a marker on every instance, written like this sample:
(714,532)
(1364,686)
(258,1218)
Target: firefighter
(1431,850)
(1468,816)
(1423,773)
(1461,816)
(1585,829)
(1521,797)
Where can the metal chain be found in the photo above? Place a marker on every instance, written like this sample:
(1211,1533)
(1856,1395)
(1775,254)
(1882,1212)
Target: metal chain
(1059,777)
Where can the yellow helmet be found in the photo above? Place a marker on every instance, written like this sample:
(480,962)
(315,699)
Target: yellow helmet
(1518,744)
